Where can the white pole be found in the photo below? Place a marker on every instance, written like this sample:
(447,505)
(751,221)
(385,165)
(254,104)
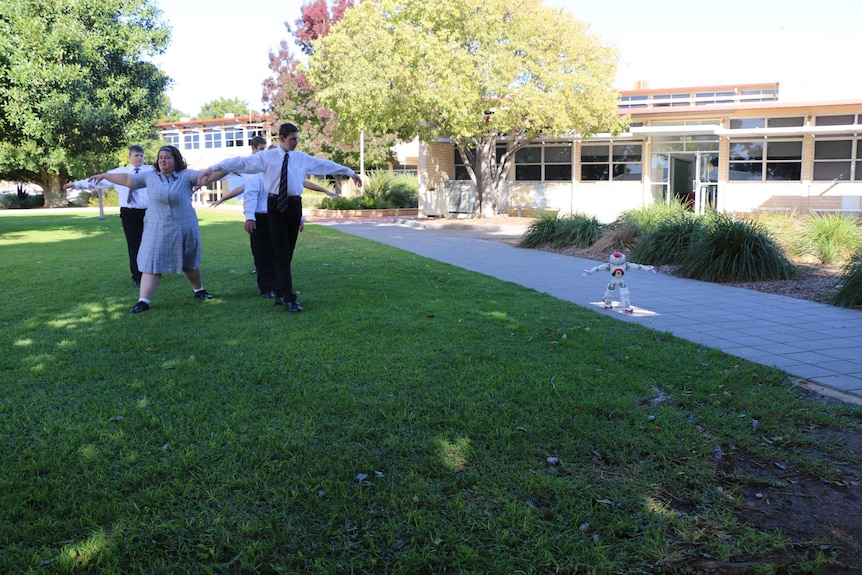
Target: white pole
(361,156)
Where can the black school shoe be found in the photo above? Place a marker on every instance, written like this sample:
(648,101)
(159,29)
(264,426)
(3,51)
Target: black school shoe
(293,307)
(139,307)
(203,294)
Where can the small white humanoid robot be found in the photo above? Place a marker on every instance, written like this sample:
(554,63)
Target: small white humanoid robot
(618,266)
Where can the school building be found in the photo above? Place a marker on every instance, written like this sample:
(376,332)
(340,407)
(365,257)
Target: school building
(732,148)
(206,142)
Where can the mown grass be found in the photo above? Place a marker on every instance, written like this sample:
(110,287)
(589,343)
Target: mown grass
(417,418)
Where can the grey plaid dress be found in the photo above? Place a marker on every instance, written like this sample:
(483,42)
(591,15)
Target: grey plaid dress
(172,237)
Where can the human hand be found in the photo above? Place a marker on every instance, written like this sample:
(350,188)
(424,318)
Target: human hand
(356,180)
(69,186)
(96,179)
(204,177)
(250,226)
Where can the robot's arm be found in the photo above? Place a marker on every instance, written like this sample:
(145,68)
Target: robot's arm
(592,270)
(643,267)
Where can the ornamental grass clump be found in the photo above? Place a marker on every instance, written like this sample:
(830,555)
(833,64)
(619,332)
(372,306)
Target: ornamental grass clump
(829,238)
(669,241)
(653,215)
(576,230)
(732,250)
(849,293)
(542,231)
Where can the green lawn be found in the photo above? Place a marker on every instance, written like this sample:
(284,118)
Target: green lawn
(417,418)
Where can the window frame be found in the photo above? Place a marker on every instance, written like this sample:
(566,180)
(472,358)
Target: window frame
(213,138)
(191,140)
(853,160)
(459,166)
(770,165)
(610,166)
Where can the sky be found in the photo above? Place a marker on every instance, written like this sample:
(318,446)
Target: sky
(219,48)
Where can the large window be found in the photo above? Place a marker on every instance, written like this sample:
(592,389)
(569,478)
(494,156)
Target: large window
(766,161)
(837,160)
(544,163)
(212,138)
(460,167)
(172,139)
(783,122)
(842,120)
(233,137)
(255,132)
(608,161)
(192,140)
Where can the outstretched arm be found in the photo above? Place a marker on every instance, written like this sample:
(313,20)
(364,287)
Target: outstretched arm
(87,185)
(308,185)
(643,267)
(231,194)
(208,176)
(119,179)
(592,270)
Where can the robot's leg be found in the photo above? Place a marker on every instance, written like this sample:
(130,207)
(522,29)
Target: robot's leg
(609,297)
(624,299)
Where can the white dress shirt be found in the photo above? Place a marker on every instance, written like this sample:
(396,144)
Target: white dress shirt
(300,165)
(140,199)
(254,196)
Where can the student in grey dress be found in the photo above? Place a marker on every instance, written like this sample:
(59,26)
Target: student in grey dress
(172,237)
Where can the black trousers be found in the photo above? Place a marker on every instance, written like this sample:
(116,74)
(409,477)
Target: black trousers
(133,228)
(284,230)
(264,254)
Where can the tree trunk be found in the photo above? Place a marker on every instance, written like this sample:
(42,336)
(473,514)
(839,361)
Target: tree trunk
(53,192)
(488,178)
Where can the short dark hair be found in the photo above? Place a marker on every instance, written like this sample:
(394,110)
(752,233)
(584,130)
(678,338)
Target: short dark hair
(287,129)
(136,148)
(257,141)
(179,162)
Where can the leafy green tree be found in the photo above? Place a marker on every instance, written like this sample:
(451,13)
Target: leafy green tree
(470,70)
(76,85)
(222,107)
(291,97)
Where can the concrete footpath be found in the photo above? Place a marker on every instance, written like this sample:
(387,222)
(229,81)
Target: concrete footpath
(817,343)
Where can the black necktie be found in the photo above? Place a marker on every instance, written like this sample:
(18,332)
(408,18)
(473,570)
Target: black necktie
(281,200)
(132,190)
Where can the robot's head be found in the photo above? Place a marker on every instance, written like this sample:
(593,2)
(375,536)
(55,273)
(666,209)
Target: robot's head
(617,259)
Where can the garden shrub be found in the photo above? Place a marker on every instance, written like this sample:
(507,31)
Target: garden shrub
(669,241)
(829,238)
(728,249)
(576,230)
(541,231)
(382,191)
(849,292)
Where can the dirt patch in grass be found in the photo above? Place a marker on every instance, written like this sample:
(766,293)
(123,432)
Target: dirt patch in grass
(820,516)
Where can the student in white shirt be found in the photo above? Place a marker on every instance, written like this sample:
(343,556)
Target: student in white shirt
(284,172)
(133,205)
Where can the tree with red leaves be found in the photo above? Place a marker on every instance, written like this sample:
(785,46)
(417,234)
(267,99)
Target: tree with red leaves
(290,96)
